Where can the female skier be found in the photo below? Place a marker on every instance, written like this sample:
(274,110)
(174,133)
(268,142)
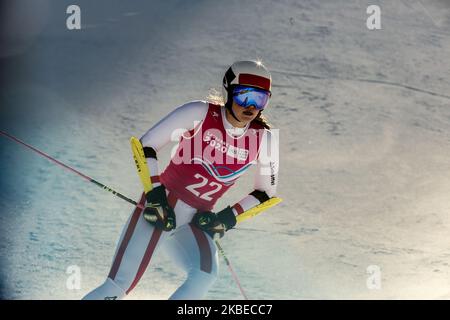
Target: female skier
(217,144)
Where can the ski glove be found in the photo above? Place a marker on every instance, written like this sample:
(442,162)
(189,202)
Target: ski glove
(214,224)
(157,210)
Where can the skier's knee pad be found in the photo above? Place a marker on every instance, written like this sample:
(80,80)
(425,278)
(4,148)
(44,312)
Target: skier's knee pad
(109,290)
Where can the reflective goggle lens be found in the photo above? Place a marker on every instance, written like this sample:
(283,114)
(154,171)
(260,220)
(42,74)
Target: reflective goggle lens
(249,96)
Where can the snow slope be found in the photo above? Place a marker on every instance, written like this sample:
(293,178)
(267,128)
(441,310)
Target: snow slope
(364,120)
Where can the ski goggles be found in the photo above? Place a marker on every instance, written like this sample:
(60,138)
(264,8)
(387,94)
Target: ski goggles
(249,96)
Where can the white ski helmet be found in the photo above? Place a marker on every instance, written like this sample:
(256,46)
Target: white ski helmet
(248,73)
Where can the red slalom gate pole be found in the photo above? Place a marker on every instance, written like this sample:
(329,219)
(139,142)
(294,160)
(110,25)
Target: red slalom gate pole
(101,185)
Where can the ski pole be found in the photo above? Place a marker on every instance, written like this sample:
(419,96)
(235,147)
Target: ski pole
(101,185)
(233,274)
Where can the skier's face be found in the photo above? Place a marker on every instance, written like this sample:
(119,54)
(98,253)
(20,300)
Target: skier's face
(244,115)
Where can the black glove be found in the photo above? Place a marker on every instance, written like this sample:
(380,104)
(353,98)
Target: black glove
(215,224)
(157,210)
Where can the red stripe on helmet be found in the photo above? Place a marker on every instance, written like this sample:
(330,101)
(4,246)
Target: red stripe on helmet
(254,80)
